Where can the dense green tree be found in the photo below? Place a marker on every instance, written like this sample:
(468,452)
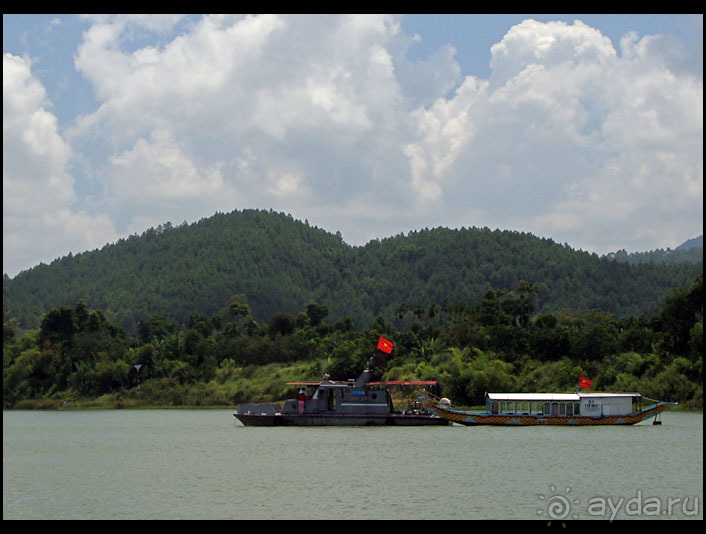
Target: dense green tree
(9,326)
(156,327)
(282,323)
(316,313)
(59,327)
(681,310)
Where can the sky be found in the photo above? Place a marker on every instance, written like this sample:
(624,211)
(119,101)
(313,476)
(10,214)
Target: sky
(585,129)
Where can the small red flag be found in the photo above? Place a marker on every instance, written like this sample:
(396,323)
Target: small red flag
(585,382)
(385,345)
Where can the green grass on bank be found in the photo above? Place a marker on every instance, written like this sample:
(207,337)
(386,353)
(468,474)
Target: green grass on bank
(231,386)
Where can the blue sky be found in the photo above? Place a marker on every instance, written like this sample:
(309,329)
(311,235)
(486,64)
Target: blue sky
(587,129)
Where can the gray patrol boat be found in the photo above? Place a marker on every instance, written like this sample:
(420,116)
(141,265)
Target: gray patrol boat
(351,403)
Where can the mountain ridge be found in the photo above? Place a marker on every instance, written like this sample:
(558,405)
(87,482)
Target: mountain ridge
(690,251)
(280,264)
(692,243)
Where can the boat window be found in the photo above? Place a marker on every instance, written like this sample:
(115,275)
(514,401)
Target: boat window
(577,408)
(555,409)
(547,411)
(494,408)
(570,408)
(562,408)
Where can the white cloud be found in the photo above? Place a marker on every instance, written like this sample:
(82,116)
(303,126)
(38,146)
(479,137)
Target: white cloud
(40,220)
(324,117)
(549,44)
(157,169)
(288,107)
(571,140)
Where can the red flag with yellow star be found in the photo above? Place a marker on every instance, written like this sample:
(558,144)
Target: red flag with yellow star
(385,345)
(585,382)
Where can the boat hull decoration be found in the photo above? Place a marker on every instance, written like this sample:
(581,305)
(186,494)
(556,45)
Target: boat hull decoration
(601,409)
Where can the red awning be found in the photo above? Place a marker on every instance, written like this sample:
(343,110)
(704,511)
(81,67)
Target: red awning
(404,383)
(392,383)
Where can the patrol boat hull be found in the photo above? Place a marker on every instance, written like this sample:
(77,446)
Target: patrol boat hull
(349,403)
(339,420)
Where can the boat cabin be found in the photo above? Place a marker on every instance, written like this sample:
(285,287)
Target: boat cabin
(344,398)
(562,404)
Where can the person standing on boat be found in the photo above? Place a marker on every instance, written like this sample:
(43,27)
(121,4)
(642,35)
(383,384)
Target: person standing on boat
(302,400)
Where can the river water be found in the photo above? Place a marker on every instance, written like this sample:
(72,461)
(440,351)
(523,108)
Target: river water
(201,464)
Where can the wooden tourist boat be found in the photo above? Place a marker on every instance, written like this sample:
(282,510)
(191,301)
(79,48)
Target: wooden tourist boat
(530,409)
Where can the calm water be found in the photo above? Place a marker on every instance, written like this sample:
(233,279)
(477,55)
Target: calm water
(174,464)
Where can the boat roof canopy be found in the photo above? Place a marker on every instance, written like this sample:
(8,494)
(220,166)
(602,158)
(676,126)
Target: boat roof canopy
(348,384)
(325,384)
(404,383)
(546,397)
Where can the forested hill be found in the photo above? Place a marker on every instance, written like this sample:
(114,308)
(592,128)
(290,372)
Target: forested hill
(691,251)
(280,264)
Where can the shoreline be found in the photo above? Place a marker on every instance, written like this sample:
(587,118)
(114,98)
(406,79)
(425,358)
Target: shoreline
(61,405)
